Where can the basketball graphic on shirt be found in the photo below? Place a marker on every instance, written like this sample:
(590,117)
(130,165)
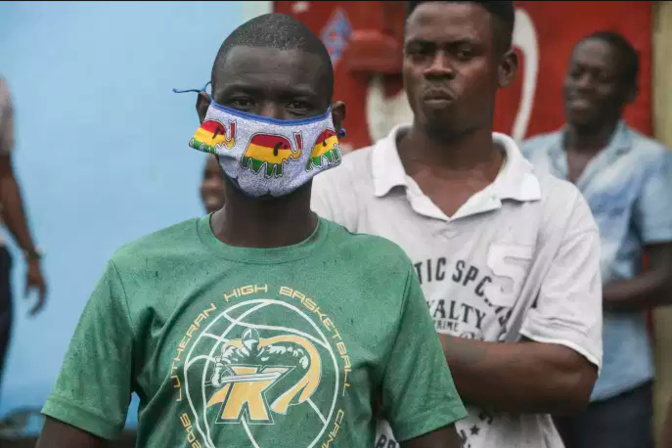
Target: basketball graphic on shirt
(260,369)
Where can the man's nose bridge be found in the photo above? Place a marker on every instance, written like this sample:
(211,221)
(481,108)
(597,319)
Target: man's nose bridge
(441,63)
(271,109)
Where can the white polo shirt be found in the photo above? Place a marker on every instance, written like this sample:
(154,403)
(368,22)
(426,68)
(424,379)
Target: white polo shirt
(519,258)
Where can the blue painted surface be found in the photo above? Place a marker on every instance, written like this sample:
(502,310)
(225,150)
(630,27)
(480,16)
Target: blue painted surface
(102,152)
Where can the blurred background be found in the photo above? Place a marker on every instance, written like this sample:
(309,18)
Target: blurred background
(101,141)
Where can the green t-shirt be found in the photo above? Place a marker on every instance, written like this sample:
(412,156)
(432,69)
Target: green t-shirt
(300,346)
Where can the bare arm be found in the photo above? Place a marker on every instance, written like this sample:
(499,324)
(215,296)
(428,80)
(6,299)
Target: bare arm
(56,434)
(15,218)
(12,205)
(525,377)
(445,437)
(651,288)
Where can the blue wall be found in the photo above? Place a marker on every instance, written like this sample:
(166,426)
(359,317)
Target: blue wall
(101,152)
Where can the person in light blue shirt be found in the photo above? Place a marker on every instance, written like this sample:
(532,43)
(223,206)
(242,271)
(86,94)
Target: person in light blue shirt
(627,180)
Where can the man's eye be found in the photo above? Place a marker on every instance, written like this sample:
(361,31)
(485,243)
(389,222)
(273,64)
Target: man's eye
(298,105)
(575,74)
(417,51)
(465,53)
(241,102)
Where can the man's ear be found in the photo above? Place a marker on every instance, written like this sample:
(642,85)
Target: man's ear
(338,115)
(202,103)
(507,69)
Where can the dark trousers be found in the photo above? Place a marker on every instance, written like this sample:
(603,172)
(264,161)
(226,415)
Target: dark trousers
(624,421)
(5,306)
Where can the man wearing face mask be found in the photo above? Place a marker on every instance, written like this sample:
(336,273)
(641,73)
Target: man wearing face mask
(626,179)
(262,324)
(212,186)
(508,258)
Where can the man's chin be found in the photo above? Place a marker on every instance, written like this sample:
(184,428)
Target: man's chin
(266,197)
(211,207)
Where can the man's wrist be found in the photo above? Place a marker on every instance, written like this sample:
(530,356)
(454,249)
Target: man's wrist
(32,254)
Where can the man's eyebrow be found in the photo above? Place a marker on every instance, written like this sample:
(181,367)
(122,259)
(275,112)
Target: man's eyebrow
(418,41)
(229,86)
(443,43)
(294,90)
(299,91)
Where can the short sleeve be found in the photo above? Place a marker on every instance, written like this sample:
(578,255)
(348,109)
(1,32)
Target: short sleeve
(6,120)
(335,196)
(568,310)
(418,391)
(93,390)
(320,200)
(652,212)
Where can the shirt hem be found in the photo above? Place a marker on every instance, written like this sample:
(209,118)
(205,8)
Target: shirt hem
(428,422)
(569,344)
(615,391)
(653,238)
(80,418)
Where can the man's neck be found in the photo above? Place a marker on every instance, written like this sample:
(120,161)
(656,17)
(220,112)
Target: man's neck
(280,222)
(589,139)
(463,153)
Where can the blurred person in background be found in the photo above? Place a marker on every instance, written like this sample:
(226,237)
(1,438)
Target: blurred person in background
(508,258)
(212,186)
(627,181)
(14,218)
(201,319)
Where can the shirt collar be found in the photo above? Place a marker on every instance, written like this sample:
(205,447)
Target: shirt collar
(620,142)
(515,181)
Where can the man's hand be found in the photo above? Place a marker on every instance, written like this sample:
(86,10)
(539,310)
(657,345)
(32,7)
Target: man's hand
(445,437)
(35,280)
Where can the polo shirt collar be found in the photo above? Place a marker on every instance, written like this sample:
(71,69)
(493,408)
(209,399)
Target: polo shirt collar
(516,181)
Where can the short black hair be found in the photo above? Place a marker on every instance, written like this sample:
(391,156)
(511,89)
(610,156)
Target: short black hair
(278,31)
(628,54)
(502,10)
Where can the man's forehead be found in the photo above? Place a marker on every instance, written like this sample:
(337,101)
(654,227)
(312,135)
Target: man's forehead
(596,52)
(267,57)
(593,48)
(253,65)
(448,21)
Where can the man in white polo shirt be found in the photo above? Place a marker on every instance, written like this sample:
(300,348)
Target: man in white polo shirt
(508,259)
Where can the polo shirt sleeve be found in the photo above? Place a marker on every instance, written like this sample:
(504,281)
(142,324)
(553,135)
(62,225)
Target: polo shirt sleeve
(93,390)
(320,200)
(418,394)
(333,197)
(568,309)
(652,214)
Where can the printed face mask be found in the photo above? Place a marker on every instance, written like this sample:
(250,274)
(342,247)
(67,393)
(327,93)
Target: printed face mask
(264,155)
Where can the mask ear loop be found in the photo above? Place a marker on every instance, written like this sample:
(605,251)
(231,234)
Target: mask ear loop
(203,89)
